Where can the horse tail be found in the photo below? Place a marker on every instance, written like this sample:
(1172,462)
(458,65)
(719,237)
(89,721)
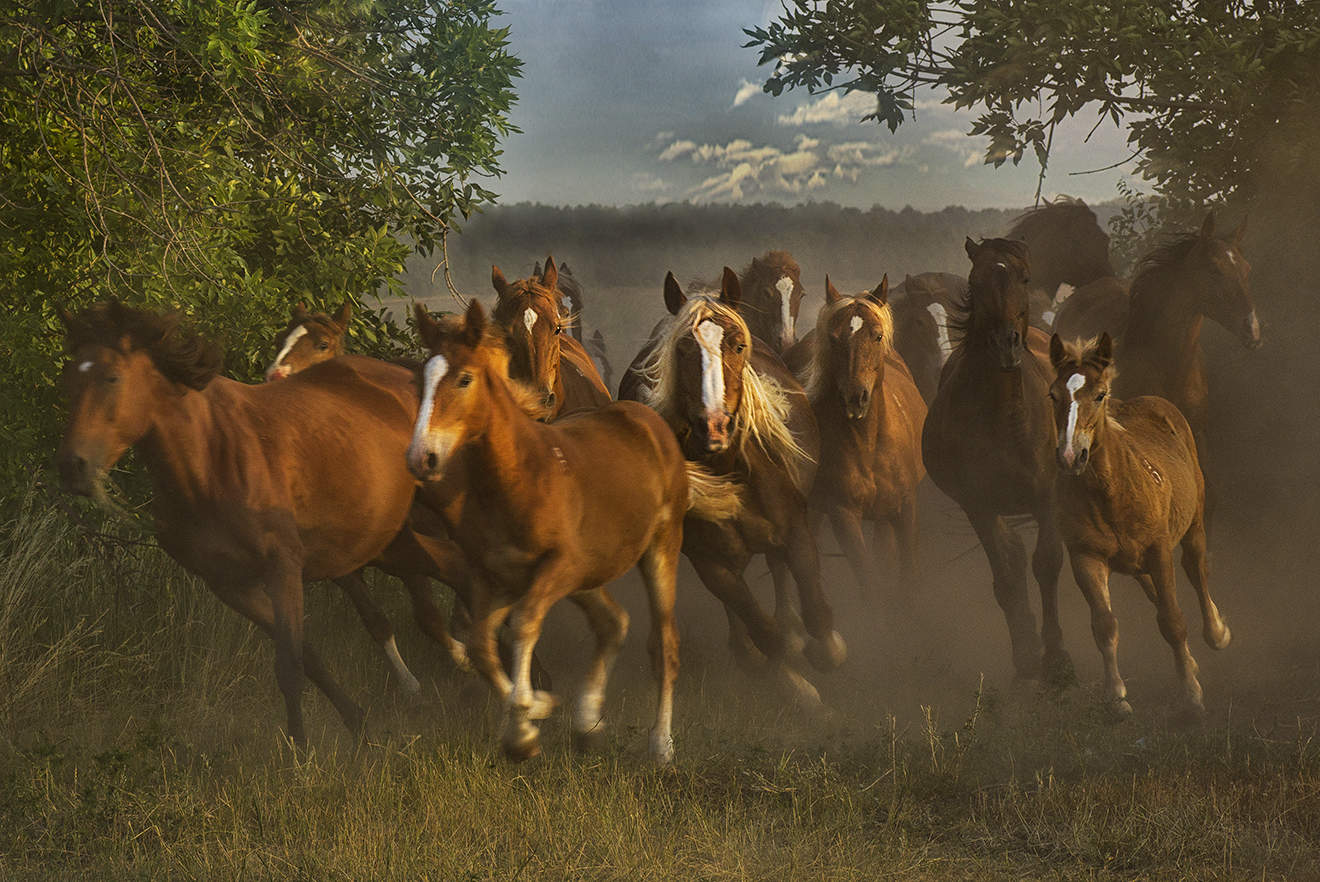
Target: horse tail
(712,497)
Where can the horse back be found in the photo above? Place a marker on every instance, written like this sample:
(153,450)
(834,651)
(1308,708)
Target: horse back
(1093,308)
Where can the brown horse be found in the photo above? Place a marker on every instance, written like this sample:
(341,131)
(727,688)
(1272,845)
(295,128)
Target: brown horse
(529,312)
(1068,247)
(870,416)
(922,306)
(772,294)
(257,488)
(989,443)
(739,412)
(548,511)
(1129,490)
(1102,305)
(570,299)
(308,339)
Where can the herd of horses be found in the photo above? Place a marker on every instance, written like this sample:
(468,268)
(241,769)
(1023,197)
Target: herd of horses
(500,465)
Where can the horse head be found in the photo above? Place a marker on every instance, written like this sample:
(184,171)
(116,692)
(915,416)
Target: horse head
(308,339)
(529,313)
(999,306)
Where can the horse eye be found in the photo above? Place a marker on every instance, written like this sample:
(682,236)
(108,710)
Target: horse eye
(1100,396)
(323,345)
(559,329)
(112,378)
(879,336)
(740,348)
(464,380)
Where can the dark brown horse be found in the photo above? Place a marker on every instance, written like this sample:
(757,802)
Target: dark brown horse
(989,443)
(739,412)
(530,314)
(1068,247)
(1129,490)
(258,489)
(308,339)
(922,306)
(772,294)
(870,416)
(548,511)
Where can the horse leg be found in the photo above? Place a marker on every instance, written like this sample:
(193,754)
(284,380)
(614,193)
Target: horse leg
(1160,566)
(660,571)
(609,622)
(1046,562)
(488,614)
(256,605)
(524,705)
(904,527)
(847,526)
(431,619)
(1008,566)
(1092,575)
(1213,629)
(378,626)
(827,650)
(786,614)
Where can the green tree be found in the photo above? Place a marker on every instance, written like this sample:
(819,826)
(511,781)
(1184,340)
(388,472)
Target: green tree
(231,157)
(1219,97)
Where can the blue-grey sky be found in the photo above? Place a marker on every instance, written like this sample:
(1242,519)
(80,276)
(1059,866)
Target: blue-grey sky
(625,101)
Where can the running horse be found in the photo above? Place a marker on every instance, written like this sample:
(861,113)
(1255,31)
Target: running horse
(529,312)
(570,299)
(1130,489)
(309,338)
(870,415)
(1068,250)
(257,489)
(989,444)
(545,511)
(921,306)
(772,294)
(740,413)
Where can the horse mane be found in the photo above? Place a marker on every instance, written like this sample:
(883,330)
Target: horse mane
(319,319)
(958,312)
(763,413)
(1170,252)
(1085,353)
(817,376)
(1038,220)
(181,355)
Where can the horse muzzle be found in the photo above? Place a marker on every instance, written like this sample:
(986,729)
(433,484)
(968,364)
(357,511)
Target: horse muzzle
(277,372)
(857,404)
(1073,462)
(78,473)
(713,432)
(1250,333)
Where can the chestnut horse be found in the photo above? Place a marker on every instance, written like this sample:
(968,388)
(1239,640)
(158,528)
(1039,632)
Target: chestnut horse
(1068,248)
(870,416)
(739,412)
(548,511)
(529,312)
(989,444)
(1129,490)
(922,305)
(570,299)
(772,294)
(257,489)
(308,339)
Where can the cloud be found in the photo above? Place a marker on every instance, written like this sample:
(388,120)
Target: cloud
(835,109)
(649,183)
(746,91)
(947,138)
(677,149)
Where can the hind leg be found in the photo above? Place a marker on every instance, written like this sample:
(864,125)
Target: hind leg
(1213,628)
(1092,575)
(904,528)
(609,623)
(827,650)
(431,619)
(1046,562)
(1172,626)
(660,571)
(378,626)
(786,614)
(1008,566)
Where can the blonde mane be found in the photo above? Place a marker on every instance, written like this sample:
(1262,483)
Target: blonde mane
(816,376)
(763,412)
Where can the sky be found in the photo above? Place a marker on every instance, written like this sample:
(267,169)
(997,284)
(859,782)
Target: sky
(623,102)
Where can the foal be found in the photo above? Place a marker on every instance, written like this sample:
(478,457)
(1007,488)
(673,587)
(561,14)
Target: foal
(309,338)
(548,511)
(1129,490)
(870,416)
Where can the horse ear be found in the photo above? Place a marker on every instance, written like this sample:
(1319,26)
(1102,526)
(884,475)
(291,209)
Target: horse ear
(536,269)
(730,289)
(1240,232)
(498,282)
(1104,350)
(971,248)
(1056,351)
(563,268)
(880,294)
(832,294)
(345,314)
(550,278)
(674,296)
(474,323)
(1208,226)
(427,328)
(68,319)
(299,311)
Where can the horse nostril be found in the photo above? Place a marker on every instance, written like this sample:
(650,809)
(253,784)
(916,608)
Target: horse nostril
(432,462)
(1082,455)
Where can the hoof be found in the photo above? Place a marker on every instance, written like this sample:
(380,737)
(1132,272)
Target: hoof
(1189,716)
(409,683)
(1118,710)
(799,690)
(1225,637)
(543,704)
(590,741)
(524,748)
(827,654)
(1058,670)
(459,654)
(662,749)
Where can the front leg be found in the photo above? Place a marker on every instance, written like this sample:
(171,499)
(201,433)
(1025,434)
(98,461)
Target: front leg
(1173,627)
(552,580)
(1092,575)
(846,521)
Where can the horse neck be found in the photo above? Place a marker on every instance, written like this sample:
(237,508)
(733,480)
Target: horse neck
(179,448)
(859,435)
(1112,455)
(1164,325)
(983,365)
(503,443)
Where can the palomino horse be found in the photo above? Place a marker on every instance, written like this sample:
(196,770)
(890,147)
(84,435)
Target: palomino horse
(257,488)
(1129,490)
(739,412)
(772,294)
(308,339)
(1068,250)
(570,300)
(547,511)
(529,313)
(989,444)
(870,416)
(922,305)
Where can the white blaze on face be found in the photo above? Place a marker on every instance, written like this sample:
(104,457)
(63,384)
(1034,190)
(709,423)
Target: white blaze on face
(1253,325)
(85,367)
(423,437)
(529,319)
(854,325)
(941,317)
(785,288)
(294,336)
(1074,384)
(710,337)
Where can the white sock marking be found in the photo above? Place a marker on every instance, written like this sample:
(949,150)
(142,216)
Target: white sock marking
(785,288)
(941,317)
(710,336)
(294,336)
(529,318)
(406,678)
(1074,384)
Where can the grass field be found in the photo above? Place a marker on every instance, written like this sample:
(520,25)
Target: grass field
(140,739)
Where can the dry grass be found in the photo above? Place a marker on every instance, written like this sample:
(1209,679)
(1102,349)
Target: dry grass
(139,739)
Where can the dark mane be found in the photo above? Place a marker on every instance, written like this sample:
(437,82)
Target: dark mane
(959,311)
(777,260)
(1054,214)
(181,355)
(1172,251)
